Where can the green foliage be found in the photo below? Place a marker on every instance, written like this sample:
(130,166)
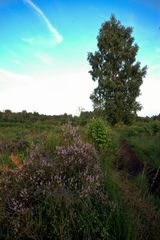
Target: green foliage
(118,74)
(153,127)
(134,131)
(144,139)
(147,149)
(142,183)
(142,128)
(98,134)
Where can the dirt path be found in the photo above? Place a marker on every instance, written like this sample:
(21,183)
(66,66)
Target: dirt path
(127,159)
(142,209)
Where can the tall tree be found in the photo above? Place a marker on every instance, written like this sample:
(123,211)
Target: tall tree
(118,74)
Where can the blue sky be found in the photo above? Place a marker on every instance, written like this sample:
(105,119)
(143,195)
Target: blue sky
(44,45)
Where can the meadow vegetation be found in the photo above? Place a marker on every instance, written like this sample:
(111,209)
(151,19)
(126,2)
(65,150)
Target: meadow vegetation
(63,182)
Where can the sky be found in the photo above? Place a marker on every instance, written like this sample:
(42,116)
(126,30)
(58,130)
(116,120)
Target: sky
(44,46)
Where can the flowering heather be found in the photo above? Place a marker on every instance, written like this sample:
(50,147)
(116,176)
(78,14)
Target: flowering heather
(80,167)
(57,198)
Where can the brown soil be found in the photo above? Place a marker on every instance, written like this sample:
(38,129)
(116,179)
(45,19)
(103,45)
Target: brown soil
(127,160)
(154,180)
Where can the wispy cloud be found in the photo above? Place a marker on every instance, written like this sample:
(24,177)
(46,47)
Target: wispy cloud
(10,77)
(44,58)
(56,35)
(40,41)
(28,40)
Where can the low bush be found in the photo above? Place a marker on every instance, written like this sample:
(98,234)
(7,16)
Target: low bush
(138,129)
(99,134)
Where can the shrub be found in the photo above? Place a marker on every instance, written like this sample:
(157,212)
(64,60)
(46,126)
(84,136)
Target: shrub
(149,128)
(155,126)
(134,131)
(98,134)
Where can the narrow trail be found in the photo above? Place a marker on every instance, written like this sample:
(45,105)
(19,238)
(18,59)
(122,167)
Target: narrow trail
(128,160)
(142,209)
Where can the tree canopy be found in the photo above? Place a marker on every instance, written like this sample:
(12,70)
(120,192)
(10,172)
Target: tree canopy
(118,74)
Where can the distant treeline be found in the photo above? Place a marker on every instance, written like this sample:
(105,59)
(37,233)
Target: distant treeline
(24,116)
(147,119)
(85,116)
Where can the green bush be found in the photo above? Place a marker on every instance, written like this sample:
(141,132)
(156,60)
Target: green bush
(99,134)
(154,126)
(134,130)
(149,128)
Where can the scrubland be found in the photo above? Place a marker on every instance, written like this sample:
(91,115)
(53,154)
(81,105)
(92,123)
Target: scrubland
(80,182)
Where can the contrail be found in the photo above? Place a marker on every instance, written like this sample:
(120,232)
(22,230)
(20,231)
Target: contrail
(51,28)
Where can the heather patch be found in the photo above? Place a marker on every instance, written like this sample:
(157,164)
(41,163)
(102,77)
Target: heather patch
(55,198)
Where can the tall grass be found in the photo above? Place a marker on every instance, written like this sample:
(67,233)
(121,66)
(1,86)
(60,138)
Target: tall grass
(122,222)
(144,139)
(147,148)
